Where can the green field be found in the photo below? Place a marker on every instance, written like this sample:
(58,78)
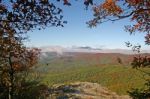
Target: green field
(117,78)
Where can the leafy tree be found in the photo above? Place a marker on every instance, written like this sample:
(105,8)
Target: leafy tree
(119,60)
(15,60)
(17,17)
(137,11)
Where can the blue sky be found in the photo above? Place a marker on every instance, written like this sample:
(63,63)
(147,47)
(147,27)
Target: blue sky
(77,33)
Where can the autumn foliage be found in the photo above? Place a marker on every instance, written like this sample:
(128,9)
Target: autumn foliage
(112,10)
(17,17)
(137,11)
(15,60)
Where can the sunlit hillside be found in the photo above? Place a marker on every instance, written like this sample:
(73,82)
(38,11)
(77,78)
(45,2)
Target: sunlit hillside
(101,68)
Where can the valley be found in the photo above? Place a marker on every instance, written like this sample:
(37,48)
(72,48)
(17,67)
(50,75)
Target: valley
(100,68)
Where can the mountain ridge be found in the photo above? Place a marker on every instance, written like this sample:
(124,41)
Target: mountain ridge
(60,50)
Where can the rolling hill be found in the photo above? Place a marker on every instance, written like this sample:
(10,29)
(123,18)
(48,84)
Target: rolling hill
(101,68)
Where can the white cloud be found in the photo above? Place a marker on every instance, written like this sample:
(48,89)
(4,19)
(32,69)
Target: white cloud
(60,50)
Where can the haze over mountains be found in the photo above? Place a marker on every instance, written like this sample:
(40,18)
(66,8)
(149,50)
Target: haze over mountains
(86,49)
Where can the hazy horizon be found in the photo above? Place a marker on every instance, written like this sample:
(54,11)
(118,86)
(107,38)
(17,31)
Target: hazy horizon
(88,49)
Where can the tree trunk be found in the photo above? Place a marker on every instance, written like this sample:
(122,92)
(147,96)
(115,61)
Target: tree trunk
(11,75)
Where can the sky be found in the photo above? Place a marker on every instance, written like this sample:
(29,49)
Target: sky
(77,33)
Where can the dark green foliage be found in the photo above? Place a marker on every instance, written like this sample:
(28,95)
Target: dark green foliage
(26,90)
(143,93)
(137,63)
(119,60)
(31,90)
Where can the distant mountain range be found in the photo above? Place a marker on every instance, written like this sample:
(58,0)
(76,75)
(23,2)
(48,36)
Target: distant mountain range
(88,54)
(86,49)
